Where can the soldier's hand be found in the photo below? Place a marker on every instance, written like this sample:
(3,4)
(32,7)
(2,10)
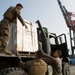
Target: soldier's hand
(25,26)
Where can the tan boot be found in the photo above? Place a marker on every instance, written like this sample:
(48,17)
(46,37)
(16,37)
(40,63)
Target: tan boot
(6,52)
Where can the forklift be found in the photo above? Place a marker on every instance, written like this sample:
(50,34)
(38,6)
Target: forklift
(51,42)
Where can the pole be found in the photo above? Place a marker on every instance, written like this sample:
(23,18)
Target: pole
(71,41)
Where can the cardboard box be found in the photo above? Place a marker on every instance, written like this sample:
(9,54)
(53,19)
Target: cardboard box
(22,39)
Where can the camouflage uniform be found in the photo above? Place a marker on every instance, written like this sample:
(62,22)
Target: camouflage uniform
(59,64)
(9,16)
(55,63)
(38,67)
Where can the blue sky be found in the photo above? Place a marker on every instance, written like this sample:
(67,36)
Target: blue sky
(47,11)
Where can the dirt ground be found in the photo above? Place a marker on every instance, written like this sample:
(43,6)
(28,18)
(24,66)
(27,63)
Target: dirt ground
(72,69)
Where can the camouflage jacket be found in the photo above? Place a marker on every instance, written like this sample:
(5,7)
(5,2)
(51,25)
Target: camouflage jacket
(37,67)
(57,68)
(12,13)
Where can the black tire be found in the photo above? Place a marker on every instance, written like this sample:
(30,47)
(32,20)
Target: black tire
(13,71)
(65,68)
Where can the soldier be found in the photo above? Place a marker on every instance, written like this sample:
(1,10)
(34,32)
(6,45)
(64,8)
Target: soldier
(57,55)
(9,16)
(55,62)
(38,66)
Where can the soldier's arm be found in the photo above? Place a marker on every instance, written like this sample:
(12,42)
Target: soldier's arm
(53,62)
(17,14)
(49,60)
(21,20)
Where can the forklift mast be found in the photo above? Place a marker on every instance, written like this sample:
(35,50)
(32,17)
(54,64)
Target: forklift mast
(44,38)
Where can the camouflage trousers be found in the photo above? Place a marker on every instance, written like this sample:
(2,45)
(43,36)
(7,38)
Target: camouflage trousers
(4,34)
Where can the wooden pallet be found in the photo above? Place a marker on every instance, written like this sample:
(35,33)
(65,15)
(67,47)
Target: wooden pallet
(27,54)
